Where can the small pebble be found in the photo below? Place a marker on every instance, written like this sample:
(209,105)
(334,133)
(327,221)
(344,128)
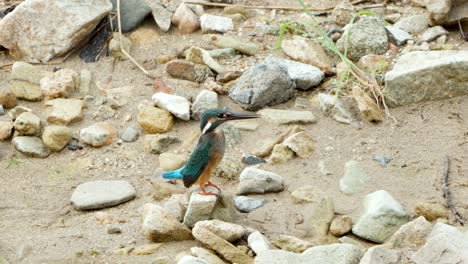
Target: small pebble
(113,229)
(251,160)
(381,159)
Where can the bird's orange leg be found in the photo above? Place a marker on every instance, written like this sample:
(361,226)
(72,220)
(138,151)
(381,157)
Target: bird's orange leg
(204,192)
(212,184)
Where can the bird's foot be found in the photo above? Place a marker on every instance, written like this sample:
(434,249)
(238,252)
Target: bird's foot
(212,184)
(204,192)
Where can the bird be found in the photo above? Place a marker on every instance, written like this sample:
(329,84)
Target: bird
(209,151)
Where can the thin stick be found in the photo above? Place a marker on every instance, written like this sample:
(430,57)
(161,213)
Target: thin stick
(285,8)
(122,48)
(447,193)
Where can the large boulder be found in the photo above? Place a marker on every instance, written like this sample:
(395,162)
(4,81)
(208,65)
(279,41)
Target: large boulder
(27,33)
(427,75)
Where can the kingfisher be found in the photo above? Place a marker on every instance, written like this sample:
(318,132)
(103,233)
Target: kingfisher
(209,151)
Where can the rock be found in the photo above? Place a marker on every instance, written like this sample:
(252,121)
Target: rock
(381,159)
(253,180)
(228,76)
(25,31)
(439,11)
(116,50)
(301,143)
(354,179)
(205,100)
(308,52)
(61,83)
(207,255)
(132,13)
(6,129)
(227,231)
(292,244)
(382,217)
(367,36)
(185,19)
(189,71)
(430,211)
(411,235)
(413,24)
(113,229)
(222,53)
(262,85)
(200,207)
(98,135)
(367,106)
(246,204)
(397,35)
(7,98)
(129,134)
(412,79)
(154,120)
(445,244)
(158,225)
(161,14)
(56,137)
(229,168)
(27,91)
(201,56)
(320,214)
(347,111)
(240,45)
(341,225)
(348,240)
(281,154)
(163,188)
(23,71)
(159,86)
(259,243)
(191,260)
(64,111)
(2,111)
(432,33)
(221,246)
(327,102)
(17,111)
(343,13)
(225,208)
(380,254)
(176,206)
(216,24)
(157,144)
(146,249)
(27,124)
(170,161)
(101,194)
(305,76)
(176,105)
(161,260)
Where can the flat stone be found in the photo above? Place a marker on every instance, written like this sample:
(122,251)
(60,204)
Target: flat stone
(205,100)
(146,249)
(31,146)
(341,225)
(381,218)
(176,105)
(308,52)
(301,143)
(64,111)
(158,225)
(26,90)
(154,120)
(27,124)
(216,24)
(6,129)
(132,13)
(413,77)
(292,244)
(7,98)
(25,32)
(23,71)
(286,117)
(411,235)
(380,254)
(304,75)
(227,231)
(354,179)
(259,243)
(432,33)
(241,45)
(397,35)
(157,144)
(170,161)
(98,135)
(223,53)
(61,83)
(101,194)
(253,180)
(185,19)
(189,71)
(413,24)
(129,134)
(56,137)
(161,14)
(246,204)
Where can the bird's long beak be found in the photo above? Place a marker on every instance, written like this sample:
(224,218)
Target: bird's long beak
(237,116)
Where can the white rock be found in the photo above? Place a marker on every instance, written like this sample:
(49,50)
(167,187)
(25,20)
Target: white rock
(354,179)
(433,33)
(215,24)
(101,194)
(98,135)
(205,100)
(176,105)
(259,243)
(253,180)
(413,24)
(411,235)
(398,35)
(382,217)
(380,254)
(200,207)
(161,15)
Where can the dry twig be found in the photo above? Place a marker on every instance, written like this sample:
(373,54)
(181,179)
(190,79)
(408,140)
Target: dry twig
(447,194)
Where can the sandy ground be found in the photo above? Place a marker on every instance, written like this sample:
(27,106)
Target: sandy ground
(37,224)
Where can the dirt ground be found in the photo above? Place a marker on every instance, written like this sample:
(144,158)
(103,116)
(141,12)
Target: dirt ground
(38,225)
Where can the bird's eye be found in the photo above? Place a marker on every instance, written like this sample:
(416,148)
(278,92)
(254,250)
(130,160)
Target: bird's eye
(221,115)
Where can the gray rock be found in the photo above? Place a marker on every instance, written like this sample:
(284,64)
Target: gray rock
(230,167)
(2,111)
(253,180)
(286,117)
(215,24)
(161,14)
(246,204)
(304,75)
(101,194)
(225,208)
(113,229)
(205,100)
(240,45)
(259,243)
(26,31)
(132,13)
(411,235)
(31,146)
(382,217)
(223,53)
(157,144)
(445,244)
(176,105)
(427,75)
(201,56)
(432,34)
(367,36)
(129,134)
(413,24)
(354,179)
(397,35)
(262,85)
(200,207)
(381,159)
(347,111)
(158,225)
(380,254)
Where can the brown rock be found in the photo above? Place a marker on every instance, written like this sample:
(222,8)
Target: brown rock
(185,19)
(431,211)
(228,76)
(373,63)
(189,71)
(368,108)
(154,120)
(56,137)
(290,243)
(160,87)
(64,111)
(341,225)
(61,83)
(27,124)
(7,98)
(6,128)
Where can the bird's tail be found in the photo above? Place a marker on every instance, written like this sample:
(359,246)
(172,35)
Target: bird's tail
(175,174)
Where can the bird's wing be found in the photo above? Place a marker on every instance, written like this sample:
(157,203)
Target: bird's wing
(197,162)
